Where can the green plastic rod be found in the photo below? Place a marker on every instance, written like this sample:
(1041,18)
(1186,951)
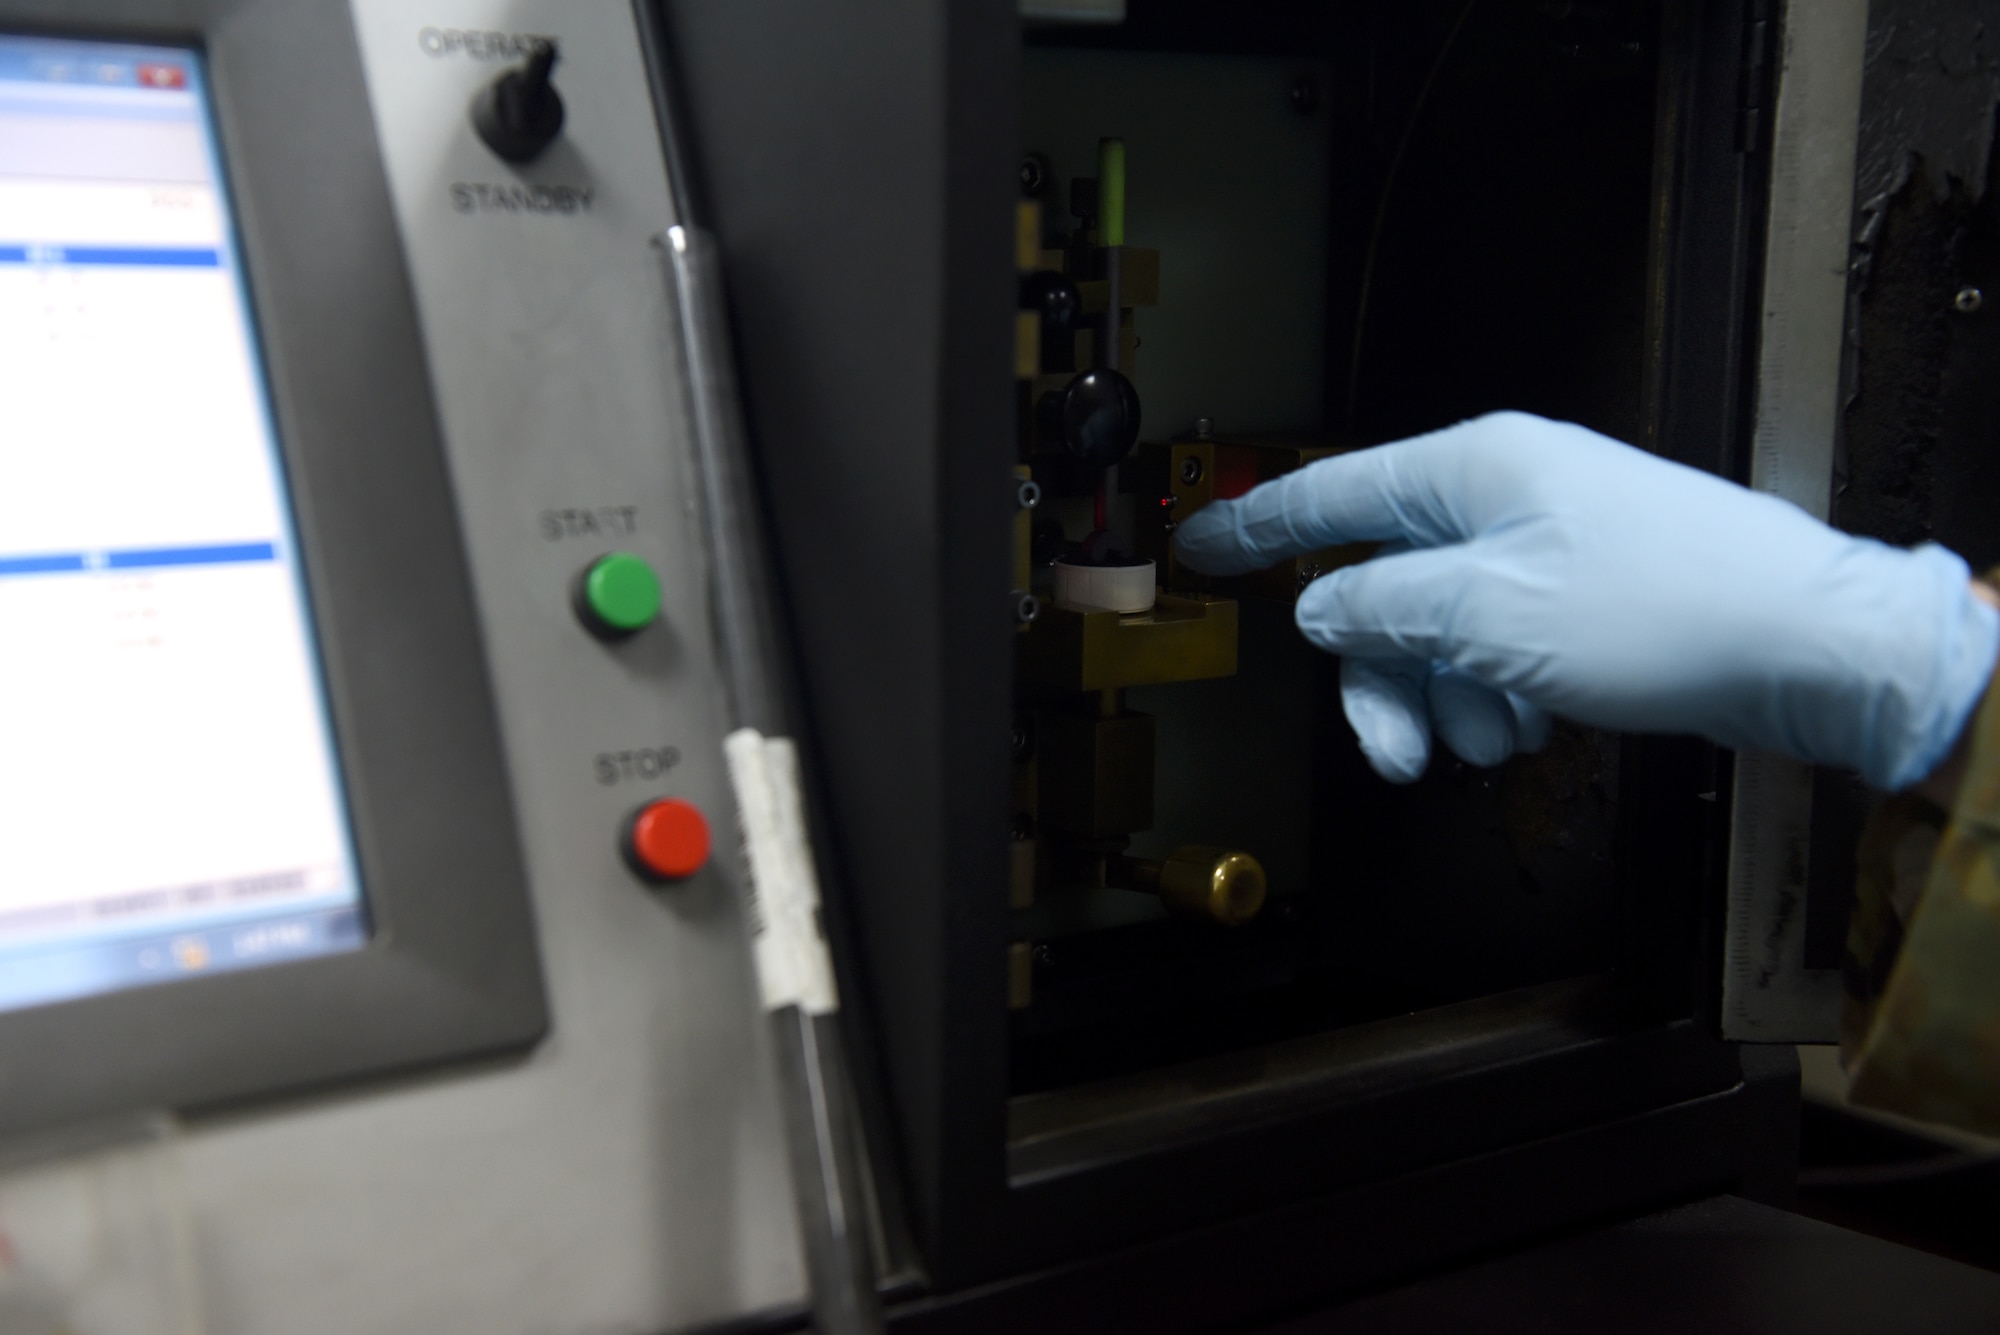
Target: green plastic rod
(1111,192)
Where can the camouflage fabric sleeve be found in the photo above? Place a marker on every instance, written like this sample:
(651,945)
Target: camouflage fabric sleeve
(1921,1028)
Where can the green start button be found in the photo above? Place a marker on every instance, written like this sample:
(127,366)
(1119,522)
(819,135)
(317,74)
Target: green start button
(617,594)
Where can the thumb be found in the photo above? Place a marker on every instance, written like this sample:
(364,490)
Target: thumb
(1481,725)
(1383,699)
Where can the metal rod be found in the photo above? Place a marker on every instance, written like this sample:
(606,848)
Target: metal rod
(1110,192)
(812,1071)
(1111,336)
(821,1129)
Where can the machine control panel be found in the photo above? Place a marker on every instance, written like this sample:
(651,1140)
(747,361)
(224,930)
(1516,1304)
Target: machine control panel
(529,188)
(526,189)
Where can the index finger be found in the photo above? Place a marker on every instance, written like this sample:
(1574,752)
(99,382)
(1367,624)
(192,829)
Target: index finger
(1408,492)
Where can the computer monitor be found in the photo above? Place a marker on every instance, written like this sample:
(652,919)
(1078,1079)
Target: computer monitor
(254,826)
(170,794)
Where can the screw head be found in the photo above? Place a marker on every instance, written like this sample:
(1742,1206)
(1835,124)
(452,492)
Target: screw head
(1308,572)
(1305,95)
(1191,470)
(1968,300)
(1028,494)
(1204,428)
(1033,176)
(1026,606)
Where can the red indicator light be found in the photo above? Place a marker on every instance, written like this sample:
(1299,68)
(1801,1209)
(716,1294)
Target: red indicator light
(162,76)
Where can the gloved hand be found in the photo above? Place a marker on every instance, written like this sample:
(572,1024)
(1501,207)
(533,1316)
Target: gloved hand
(1537,568)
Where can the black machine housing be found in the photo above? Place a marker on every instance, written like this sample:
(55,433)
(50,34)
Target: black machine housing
(1494,1015)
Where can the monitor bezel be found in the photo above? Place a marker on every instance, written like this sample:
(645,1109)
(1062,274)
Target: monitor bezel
(450,968)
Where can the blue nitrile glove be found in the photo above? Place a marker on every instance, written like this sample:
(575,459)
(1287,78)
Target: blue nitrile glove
(1538,568)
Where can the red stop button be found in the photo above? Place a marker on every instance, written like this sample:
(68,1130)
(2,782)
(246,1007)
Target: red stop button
(667,840)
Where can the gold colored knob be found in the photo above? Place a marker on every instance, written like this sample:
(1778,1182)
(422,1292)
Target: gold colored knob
(1218,883)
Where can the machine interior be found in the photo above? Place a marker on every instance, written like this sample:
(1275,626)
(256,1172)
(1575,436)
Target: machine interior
(1338,230)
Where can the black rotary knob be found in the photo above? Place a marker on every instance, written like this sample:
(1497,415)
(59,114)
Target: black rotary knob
(1059,305)
(520,113)
(1096,416)
(1054,298)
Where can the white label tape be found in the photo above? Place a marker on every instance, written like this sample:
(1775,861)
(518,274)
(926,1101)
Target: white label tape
(793,966)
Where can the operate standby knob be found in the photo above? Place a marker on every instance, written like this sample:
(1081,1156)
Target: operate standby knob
(520,113)
(1095,416)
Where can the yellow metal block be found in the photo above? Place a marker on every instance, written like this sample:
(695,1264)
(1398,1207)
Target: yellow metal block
(1197,471)
(1184,638)
(1139,275)
(1095,773)
(1138,282)
(1021,874)
(1027,345)
(1020,975)
(1027,234)
(1024,847)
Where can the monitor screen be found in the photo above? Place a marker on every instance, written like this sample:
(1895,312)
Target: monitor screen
(171,801)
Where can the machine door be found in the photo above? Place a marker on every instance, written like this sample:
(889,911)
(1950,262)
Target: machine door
(1133,941)
(1787,888)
